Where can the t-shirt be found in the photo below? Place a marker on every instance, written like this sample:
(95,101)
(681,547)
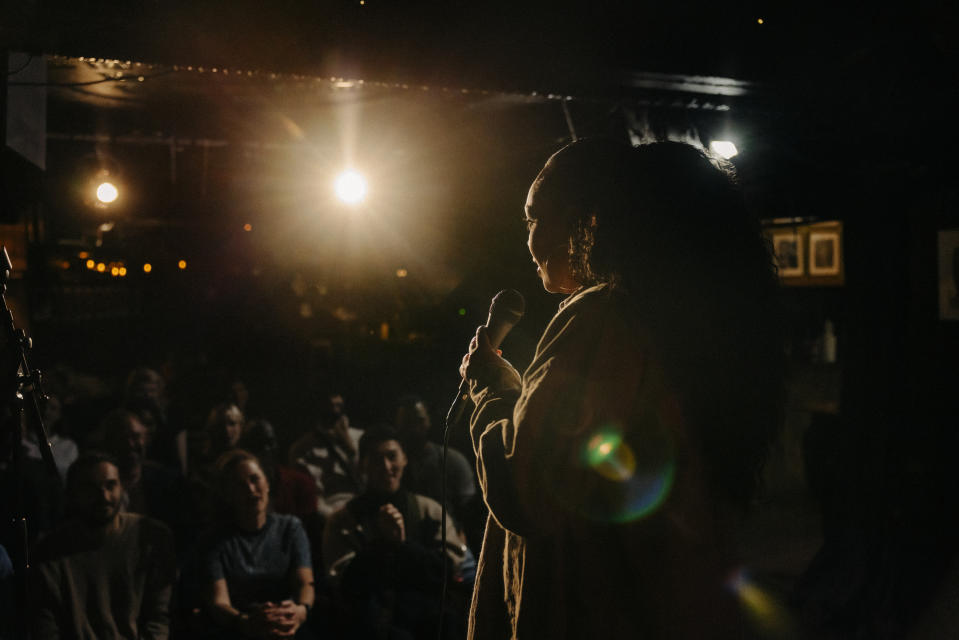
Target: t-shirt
(257,565)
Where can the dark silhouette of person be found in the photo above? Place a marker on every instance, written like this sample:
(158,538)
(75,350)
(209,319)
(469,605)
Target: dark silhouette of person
(612,464)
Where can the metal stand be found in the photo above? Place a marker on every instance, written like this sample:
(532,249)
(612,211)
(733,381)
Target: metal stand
(20,392)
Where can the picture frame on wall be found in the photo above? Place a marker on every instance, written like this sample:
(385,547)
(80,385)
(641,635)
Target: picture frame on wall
(788,248)
(949,274)
(824,258)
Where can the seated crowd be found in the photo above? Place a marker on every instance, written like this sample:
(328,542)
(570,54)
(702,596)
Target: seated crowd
(217,532)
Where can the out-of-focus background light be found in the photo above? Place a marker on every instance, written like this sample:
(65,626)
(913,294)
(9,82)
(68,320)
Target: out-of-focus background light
(91,264)
(107,192)
(101,267)
(723,148)
(181,264)
(401,273)
(147,268)
(350,187)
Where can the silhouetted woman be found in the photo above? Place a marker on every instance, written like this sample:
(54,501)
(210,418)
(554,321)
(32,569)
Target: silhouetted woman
(610,466)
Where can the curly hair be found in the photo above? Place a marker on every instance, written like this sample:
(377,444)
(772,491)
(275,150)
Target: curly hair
(667,223)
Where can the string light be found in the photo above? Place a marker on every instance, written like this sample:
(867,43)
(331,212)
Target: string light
(101,267)
(91,264)
(147,268)
(181,264)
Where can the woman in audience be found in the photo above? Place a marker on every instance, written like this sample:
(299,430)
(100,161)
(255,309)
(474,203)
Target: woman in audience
(258,572)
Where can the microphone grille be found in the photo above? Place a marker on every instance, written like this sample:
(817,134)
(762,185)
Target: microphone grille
(508,302)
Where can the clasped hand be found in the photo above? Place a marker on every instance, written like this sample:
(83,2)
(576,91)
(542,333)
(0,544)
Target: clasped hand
(271,620)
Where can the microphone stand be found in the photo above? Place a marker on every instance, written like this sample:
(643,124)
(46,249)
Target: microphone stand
(20,391)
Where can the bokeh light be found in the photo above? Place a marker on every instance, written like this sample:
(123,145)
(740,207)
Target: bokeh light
(181,264)
(107,192)
(91,264)
(147,268)
(101,267)
(350,187)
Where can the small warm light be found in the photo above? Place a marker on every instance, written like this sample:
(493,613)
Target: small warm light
(91,264)
(248,227)
(350,187)
(401,273)
(760,21)
(83,255)
(101,267)
(115,271)
(147,268)
(107,193)
(123,271)
(723,148)
(181,264)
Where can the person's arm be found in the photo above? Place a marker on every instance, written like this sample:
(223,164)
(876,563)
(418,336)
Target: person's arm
(154,618)
(531,444)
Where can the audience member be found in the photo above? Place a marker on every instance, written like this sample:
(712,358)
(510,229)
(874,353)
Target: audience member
(104,573)
(63,447)
(291,490)
(384,548)
(149,487)
(145,395)
(258,573)
(221,434)
(424,473)
(328,452)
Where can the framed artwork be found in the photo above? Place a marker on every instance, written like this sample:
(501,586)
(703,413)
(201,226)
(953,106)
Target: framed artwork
(824,256)
(788,247)
(949,274)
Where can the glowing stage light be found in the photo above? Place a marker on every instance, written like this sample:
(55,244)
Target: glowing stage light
(723,148)
(350,187)
(107,192)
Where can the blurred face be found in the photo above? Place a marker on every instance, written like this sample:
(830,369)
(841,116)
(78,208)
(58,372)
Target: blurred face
(384,467)
(249,490)
(548,240)
(413,422)
(132,440)
(232,425)
(98,494)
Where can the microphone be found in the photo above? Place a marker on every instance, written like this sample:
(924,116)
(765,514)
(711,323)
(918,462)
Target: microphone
(506,309)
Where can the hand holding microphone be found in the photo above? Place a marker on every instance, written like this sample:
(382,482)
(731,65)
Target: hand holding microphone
(505,311)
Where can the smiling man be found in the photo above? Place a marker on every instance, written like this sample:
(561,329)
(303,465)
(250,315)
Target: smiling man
(104,573)
(384,547)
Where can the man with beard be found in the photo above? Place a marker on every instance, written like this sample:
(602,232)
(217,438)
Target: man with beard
(104,573)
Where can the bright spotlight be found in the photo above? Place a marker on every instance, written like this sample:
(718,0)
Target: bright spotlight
(107,193)
(723,148)
(350,187)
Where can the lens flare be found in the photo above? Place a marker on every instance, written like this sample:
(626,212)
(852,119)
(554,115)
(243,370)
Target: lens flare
(632,476)
(350,187)
(765,611)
